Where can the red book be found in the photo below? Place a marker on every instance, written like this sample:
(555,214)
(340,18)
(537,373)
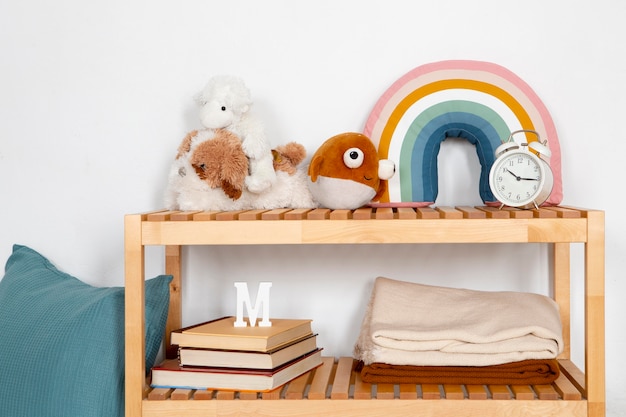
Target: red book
(171,375)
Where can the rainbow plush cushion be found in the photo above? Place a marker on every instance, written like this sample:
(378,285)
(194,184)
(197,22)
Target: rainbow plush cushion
(478,101)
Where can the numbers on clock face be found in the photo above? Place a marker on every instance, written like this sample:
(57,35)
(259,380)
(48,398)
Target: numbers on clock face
(517,178)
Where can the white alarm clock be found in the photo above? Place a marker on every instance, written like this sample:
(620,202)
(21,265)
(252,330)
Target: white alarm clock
(520,177)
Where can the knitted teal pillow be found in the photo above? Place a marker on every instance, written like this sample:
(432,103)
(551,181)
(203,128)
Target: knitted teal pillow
(62,341)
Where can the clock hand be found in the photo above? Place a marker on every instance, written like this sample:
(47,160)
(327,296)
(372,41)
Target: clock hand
(528,179)
(516,177)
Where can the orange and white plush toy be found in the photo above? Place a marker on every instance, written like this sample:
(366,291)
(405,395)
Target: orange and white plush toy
(346,172)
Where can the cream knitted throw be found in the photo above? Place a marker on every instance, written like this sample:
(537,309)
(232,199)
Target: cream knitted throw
(414,324)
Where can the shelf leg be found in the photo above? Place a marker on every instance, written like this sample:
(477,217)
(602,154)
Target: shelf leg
(174,315)
(562,288)
(594,315)
(134,315)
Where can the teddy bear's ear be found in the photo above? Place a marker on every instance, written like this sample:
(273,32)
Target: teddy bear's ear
(314,167)
(294,152)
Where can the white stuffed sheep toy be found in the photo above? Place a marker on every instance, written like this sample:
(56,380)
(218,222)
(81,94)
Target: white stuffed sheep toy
(225,104)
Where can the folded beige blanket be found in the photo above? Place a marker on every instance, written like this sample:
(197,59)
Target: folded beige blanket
(414,324)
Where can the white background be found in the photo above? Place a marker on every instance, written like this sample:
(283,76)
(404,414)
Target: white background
(96,96)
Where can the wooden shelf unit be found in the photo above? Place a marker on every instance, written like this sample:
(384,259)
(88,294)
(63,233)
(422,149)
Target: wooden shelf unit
(335,389)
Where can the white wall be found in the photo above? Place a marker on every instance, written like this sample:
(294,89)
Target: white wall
(96,96)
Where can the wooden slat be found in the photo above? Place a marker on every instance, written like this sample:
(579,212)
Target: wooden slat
(225,395)
(341,384)
(160,394)
(228,215)
(453,392)
(575,375)
(544,213)
(408,391)
(318,214)
(203,395)
(384,213)
(565,213)
(385,392)
(277,214)
(430,392)
(272,395)
(500,392)
(251,215)
(494,212)
(546,392)
(160,216)
(406,213)
(427,213)
(362,390)
(296,387)
(449,212)
(317,390)
(248,395)
(297,214)
(523,392)
(516,213)
(471,212)
(205,216)
(363,213)
(183,216)
(476,392)
(181,394)
(566,389)
(341,214)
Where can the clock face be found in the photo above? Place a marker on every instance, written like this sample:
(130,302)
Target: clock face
(517,178)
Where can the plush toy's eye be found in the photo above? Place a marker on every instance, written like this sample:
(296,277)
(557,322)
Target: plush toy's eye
(353,157)
(223,108)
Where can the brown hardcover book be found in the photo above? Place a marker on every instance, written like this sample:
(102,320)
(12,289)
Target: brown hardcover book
(171,375)
(190,356)
(222,334)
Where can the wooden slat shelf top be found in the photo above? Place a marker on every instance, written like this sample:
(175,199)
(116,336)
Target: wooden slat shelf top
(338,380)
(461,224)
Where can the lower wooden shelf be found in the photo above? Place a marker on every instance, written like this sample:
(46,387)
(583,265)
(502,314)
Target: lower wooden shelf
(336,389)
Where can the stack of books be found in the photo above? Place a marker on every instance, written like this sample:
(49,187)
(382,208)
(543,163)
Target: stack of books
(218,355)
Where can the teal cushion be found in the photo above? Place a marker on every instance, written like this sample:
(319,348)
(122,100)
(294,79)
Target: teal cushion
(62,340)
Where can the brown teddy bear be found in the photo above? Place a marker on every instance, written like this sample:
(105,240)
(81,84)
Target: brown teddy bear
(220,161)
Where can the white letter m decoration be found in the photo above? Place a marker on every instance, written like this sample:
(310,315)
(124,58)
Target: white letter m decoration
(262,297)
